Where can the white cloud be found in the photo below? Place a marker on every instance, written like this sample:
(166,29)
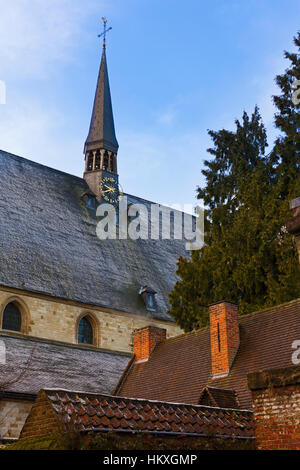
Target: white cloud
(36,38)
(167,117)
(29,130)
(37,33)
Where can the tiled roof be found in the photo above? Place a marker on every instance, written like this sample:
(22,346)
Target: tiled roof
(94,411)
(212,396)
(180,367)
(48,244)
(41,363)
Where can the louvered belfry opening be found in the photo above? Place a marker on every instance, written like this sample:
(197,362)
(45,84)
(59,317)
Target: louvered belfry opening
(97,160)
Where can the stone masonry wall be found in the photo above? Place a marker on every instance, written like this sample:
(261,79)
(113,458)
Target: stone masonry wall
(13,414)
(57,320)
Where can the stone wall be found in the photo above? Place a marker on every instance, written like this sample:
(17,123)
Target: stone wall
(13,414)
(276,403)
(54,319)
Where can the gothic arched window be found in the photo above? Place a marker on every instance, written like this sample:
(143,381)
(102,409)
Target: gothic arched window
(85,332)
(12,318)
(90,161)
(97,160)
(105,161)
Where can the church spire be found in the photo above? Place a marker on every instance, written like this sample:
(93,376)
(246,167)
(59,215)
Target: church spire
(101,145)
(102,129)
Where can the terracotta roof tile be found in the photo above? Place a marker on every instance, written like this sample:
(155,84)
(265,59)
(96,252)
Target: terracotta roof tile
(180,367)
(107,412)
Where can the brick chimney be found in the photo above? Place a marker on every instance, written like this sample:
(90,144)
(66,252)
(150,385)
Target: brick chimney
(224,336)
(145,340)
(293,225)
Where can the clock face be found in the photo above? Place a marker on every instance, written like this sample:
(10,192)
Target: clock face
(110,189)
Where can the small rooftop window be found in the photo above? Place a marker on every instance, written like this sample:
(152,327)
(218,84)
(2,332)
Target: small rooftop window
(148,295)
(90,200)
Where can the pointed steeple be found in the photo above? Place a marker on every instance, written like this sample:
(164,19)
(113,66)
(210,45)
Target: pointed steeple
(102,129)
(101,146)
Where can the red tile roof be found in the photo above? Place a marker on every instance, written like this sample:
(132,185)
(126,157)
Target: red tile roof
(89,411)
(180,367)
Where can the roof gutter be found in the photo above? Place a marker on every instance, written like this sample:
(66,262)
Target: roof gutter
(165,433)
(18,395)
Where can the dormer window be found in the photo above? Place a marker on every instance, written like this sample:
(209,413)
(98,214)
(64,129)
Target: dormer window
(148,295)
(150,301)
(90,200)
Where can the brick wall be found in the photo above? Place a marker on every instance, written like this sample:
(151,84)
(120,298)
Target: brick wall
(145,340)
(56,320)
(42,419)
(224,336)
(276,403)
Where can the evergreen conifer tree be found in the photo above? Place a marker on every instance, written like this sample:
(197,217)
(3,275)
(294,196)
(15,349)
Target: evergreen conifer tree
(248,257)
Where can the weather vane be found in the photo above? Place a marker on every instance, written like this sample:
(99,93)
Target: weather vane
(105,30)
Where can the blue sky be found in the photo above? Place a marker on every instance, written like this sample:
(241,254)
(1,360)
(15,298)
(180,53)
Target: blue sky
(176,69)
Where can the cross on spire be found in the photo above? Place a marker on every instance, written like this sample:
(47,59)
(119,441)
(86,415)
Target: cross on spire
(105,30)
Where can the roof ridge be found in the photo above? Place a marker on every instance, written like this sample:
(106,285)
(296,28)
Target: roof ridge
(114,397)
(203,328)
(55,170)
(268,309)
(159,203)
(32,162)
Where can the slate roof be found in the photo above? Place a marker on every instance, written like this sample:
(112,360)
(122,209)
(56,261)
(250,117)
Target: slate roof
(180,367)
(48,244)
(102,128)
(41,363)
(103,412)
